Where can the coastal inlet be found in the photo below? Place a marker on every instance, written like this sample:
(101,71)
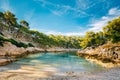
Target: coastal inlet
(62,63)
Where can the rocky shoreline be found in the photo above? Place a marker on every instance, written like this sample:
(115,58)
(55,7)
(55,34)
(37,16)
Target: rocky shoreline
(107,55)
(10,53)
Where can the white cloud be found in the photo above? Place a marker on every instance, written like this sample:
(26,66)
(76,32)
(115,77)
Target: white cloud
(62,9)
(87,4)
(82,4)
(79,10)
(104,17)
(66,33)
(58,13)
(97,25)
(5,5)
(74,33)
(114,11)
(53,32)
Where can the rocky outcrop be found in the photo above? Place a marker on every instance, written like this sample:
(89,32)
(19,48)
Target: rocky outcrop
(108,53)
(10,53)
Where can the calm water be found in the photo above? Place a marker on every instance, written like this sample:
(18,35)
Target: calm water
(60,62)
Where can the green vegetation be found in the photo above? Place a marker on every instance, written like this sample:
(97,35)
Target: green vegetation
(19,31)
(111,32)
(18,44)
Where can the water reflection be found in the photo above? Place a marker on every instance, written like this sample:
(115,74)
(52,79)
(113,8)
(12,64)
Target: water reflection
(59,62)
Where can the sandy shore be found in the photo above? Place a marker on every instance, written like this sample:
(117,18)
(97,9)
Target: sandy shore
(110,74)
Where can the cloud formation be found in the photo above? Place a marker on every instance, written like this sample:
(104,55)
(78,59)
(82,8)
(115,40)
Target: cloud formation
(66,33)
(59,10)
(97,25)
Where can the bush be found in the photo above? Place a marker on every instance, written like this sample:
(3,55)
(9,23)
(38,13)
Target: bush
(1,43)
(14,42)
(30,45)
(21,44)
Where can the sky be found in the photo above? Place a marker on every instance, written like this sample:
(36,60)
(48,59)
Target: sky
(64,17)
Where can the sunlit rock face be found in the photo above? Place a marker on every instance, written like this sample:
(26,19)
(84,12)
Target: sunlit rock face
(107,55)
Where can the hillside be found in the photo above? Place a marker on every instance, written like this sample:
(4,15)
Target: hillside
(20,31)
(10,28)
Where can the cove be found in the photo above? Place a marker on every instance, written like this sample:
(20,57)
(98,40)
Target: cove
(60,63)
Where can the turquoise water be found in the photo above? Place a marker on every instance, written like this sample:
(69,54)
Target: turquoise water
(60,62)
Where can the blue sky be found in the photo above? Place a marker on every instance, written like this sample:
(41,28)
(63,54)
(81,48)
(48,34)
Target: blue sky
(66,17)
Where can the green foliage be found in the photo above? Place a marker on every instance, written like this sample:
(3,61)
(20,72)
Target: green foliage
(93,39)
(30,45)
(10,18)
(1,43)
(21,44)
(66,41)
(13,42)
(24,23)
(18,44)
(112,30)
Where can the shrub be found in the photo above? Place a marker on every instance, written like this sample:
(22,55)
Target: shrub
(21,44)
(18,44)
(30,45)
(1,43)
